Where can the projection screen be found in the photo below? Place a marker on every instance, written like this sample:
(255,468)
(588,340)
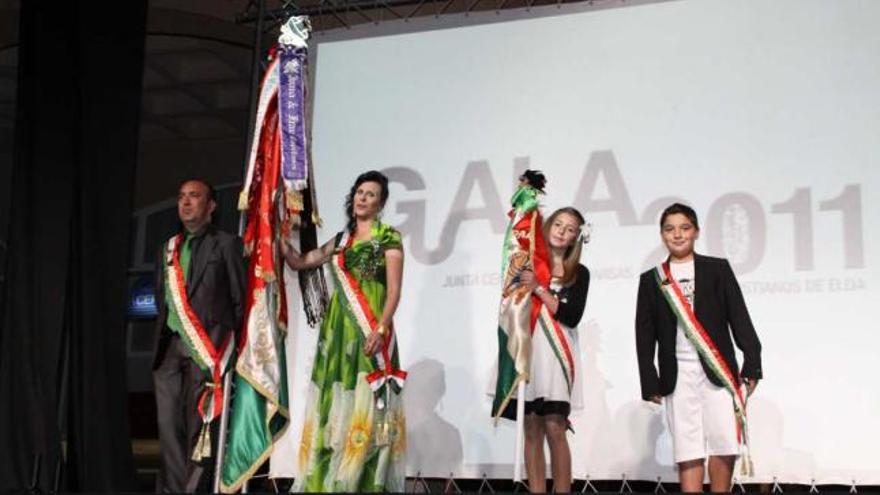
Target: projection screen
(764,115)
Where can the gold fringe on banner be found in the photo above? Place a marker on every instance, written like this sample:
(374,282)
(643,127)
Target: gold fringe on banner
(294,200)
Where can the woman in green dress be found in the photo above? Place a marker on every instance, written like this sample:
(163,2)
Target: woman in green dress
(354,434)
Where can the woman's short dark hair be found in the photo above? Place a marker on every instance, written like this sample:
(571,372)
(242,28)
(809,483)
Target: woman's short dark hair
(685,210)
(371,176)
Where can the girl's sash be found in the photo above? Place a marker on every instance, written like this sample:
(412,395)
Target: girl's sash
(559,342)
(385,373)
(707,349)
(201,349)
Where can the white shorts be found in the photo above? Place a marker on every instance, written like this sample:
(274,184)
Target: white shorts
(700,416)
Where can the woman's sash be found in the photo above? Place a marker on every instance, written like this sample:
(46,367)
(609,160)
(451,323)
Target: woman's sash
(356,301)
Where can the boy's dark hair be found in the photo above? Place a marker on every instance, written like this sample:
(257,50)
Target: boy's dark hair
(682,209)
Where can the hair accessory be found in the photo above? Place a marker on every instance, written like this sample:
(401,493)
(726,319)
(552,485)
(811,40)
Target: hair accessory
(586,232)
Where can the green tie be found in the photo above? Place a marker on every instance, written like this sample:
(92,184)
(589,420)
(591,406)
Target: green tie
(185,255)
(173,320)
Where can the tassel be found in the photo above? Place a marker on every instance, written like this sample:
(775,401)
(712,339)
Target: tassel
(315,295)
(243,200)
(203,445)
(311,282)
(294,201)
(747,468)
(383,436)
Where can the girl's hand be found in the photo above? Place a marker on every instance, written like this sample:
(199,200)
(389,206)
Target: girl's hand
(528,280)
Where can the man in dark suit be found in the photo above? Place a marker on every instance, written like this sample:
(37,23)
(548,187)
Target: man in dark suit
(701,418)
(211,283)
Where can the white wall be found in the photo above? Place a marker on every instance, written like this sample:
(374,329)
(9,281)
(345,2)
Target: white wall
(739,108)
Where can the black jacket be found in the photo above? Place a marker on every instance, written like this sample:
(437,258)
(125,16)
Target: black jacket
(215,286)
(573,299)
(720,308)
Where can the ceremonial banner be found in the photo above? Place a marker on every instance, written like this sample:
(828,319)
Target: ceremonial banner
(273,201)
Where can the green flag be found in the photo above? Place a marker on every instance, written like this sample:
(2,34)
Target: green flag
(259,407)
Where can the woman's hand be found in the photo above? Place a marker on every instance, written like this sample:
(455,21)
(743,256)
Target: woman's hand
(374,342)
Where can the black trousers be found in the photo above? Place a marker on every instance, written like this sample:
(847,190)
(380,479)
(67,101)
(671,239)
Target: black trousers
(178,382)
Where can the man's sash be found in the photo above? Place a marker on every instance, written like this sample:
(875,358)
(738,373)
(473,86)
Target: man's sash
(201,349)
(706,348)
(356,301)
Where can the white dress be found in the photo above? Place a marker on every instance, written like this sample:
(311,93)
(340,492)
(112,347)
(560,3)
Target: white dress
(546,380)
(547,391)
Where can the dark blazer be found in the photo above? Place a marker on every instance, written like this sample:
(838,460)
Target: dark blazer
(721,309)
(215,286)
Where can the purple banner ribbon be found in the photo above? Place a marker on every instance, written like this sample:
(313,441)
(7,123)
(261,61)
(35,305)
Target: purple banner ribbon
(291,104)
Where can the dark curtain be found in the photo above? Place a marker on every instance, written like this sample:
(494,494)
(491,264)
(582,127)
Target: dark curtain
(62,341)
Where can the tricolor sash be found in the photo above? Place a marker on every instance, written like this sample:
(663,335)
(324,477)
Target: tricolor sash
(356,301)
(559,342)
(706,348)
(201,349)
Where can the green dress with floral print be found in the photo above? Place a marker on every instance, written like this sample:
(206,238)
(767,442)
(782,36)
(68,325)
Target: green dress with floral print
(350,441)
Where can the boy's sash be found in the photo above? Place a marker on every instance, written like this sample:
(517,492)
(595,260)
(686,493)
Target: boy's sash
(706,348)
(201,349)
(354,297)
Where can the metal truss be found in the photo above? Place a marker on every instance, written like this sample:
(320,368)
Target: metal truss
(453,484)
(332,14)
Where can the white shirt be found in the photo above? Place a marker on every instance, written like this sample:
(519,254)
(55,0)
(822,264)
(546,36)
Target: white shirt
(683,273)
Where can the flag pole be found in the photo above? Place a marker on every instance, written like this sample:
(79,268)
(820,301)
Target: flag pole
(520,429)
(255,82)
(221,440)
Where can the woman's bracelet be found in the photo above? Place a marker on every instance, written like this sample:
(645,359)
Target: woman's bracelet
(382,330)
(539,289)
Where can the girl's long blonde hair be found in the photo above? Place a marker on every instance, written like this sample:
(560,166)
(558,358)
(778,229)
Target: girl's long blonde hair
(572,253)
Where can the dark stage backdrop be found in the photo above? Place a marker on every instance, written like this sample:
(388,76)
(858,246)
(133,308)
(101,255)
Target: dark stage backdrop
(80,72)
